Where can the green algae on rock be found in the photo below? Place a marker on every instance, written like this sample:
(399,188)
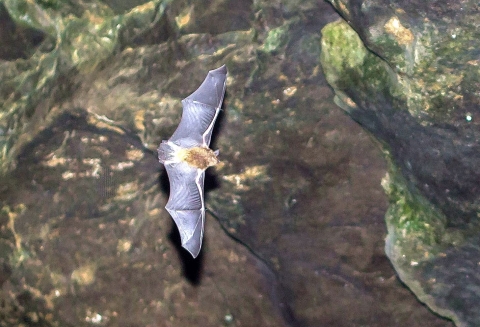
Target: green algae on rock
(73,43)
(406,76)
(348,64)
(415,226)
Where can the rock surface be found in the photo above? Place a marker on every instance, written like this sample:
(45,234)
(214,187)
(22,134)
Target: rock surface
(88,92)
(408,73)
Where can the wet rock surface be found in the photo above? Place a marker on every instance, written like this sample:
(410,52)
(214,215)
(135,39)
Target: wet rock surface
(295,233)
(407,73)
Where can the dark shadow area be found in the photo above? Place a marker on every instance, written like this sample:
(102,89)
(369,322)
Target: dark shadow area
(163,180)
(18,41)
(160,30)
(192,268)
(212,182)
(277,292)
(97,191)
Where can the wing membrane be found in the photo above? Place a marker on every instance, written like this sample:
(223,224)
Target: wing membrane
(212,89)
(201,108)
(196,119)
(186,205)
(184,192)
(190,225)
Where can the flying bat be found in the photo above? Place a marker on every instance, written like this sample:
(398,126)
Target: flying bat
(186,156)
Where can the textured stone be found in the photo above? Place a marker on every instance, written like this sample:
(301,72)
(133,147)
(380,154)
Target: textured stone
(85,238)
(407,72)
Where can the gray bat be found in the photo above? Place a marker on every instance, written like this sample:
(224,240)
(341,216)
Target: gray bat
(186,156)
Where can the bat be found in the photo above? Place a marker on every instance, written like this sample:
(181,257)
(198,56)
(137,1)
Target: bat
(186,156)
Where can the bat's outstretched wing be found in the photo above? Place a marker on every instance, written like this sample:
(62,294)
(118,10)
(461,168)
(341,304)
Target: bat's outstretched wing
(186,205)
(200,110)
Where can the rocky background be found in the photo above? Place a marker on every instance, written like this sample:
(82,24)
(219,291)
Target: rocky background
(296,227)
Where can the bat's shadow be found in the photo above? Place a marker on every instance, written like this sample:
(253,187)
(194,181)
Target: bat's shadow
(192,268)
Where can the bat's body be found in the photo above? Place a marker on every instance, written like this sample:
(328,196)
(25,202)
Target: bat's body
(186,155)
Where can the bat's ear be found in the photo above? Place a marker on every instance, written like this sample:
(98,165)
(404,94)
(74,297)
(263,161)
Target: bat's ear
(216,152)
